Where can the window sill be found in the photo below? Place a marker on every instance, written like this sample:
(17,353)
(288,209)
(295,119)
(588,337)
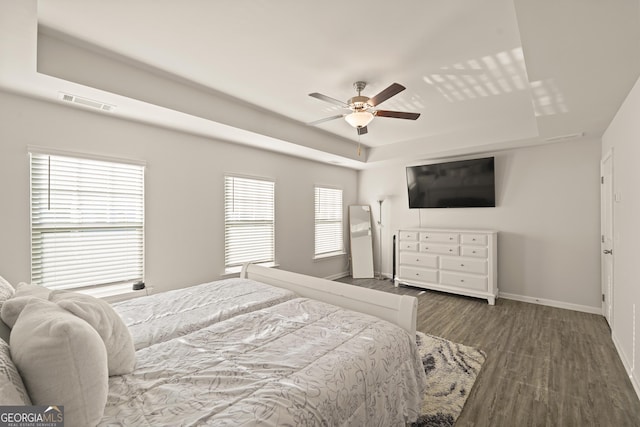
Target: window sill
(329,255)
(114,293)
(234,271)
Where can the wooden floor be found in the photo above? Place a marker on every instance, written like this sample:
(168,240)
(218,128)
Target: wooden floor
(545,366)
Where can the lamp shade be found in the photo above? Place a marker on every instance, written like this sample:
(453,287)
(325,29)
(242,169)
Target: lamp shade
(359,119)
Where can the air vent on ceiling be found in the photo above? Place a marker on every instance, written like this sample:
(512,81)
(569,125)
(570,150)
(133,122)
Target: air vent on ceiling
(86,102)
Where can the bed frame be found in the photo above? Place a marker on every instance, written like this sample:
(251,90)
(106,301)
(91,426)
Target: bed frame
(399,309)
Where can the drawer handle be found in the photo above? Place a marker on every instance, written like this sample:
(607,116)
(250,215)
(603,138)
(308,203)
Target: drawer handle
(461,280)
(473,252)
(450,238)
(461,265)
(417,259)
(450,250)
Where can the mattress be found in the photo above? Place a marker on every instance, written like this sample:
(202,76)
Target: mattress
(297,362)
(167,315)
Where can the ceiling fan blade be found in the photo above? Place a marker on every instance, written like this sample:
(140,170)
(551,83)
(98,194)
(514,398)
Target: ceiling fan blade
(326,119)
(363,130)
(329,99)
(397,114)
(392,90)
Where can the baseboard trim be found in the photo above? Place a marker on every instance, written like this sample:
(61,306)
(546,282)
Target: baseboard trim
(338,275)
(348,274)
(551,303)
(627,366)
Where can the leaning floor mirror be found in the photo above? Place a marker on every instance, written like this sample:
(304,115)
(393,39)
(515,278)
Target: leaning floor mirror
(361,241)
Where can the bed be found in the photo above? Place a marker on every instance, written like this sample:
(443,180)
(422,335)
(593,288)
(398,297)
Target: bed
(161,317)
(269,348)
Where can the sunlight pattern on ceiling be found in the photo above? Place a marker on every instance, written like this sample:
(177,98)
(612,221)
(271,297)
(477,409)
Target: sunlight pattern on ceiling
(548,100)
(493,75)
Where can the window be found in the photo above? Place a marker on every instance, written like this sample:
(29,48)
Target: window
(249,221)
(328,222)
(87,221)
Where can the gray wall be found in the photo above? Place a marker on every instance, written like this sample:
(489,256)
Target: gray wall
(547,216)
(184,190)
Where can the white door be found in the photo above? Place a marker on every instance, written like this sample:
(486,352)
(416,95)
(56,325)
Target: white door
(606,246)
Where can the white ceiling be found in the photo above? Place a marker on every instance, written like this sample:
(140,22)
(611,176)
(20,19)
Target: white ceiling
(484,74)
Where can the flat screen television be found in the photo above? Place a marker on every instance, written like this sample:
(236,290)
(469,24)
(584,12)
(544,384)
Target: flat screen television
(459,184)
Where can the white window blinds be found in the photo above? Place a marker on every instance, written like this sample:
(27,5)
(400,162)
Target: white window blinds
(249,220)
(328,221)
(87,222)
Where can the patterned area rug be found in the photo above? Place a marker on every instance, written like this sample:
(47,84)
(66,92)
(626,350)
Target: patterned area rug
(451,371)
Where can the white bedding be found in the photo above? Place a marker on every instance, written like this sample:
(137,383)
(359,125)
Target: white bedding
(168,315)
(300,362)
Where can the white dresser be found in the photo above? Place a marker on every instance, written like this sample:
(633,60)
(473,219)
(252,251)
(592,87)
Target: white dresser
(458,261)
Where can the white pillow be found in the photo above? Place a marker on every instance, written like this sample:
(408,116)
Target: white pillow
(6,290)
(62,361)
(11,386)
(23,294)
(121,353)
(32,290)
(12,308)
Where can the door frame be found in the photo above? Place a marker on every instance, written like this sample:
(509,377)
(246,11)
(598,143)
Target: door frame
(607,200)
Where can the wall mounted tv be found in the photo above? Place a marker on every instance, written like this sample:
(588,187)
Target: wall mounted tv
(459,184)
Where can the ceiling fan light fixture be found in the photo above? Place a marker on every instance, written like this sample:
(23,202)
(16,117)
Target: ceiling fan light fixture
(363,108)
(359,119)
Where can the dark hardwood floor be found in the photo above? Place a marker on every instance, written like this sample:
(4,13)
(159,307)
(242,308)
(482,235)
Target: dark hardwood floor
(545,366)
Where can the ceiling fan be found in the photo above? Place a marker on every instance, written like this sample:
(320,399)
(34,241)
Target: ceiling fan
(362,107)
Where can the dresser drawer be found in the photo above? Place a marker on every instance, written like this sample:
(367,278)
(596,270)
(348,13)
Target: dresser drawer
(463,280)
(474,251)
(408,235)
(419,259)
(439,249)
(439,237)
(465,265)
(408,246)
(474,239)
(420,274)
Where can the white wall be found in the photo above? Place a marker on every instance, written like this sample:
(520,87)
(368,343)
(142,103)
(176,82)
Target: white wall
(184,190)
(547,216)
(623,138)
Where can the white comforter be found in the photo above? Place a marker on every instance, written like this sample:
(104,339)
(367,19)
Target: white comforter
(297,363)
(168,315)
